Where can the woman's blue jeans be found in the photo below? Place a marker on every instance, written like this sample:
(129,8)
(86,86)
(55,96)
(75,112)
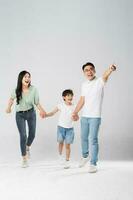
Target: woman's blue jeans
(21,118)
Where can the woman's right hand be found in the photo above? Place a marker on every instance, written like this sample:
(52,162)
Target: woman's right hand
(8,110)
(9,105)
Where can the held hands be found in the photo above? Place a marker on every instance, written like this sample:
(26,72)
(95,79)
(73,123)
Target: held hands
(75,117)
(42,114)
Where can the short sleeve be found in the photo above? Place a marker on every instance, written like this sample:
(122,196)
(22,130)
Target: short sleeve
(36,97)
(13,94)
(82,90)
(101,81)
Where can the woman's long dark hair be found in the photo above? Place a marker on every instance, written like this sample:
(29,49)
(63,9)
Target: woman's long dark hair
(19,85)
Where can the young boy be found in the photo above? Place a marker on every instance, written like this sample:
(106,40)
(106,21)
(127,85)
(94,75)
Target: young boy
(65,130)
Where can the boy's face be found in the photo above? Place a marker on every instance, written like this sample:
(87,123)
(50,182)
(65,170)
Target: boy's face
(68,99)
(89,72)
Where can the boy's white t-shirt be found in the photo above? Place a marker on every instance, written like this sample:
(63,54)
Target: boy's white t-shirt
(93,92)
(65,118)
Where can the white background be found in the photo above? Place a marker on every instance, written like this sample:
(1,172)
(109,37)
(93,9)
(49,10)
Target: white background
(52,40)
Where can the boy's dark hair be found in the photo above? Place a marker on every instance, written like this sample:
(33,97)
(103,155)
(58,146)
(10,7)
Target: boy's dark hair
(67,92)
(88,63)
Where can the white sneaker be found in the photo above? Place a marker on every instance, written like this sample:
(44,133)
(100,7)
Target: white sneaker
(83,161)
(61,159)
(67,164)
(24,164)
(92,169)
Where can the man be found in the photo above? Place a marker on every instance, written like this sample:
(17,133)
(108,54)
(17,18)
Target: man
(91,102)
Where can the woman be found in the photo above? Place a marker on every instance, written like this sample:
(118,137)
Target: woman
(26,97)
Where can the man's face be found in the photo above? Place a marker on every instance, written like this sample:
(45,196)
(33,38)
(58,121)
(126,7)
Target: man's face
(89,72)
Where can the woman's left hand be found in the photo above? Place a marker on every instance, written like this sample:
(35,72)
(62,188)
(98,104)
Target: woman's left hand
(42,114)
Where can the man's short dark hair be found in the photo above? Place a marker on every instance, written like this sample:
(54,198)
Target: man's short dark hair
(67,92)
(88,63)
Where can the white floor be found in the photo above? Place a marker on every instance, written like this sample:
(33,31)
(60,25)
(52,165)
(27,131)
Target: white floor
(46,180)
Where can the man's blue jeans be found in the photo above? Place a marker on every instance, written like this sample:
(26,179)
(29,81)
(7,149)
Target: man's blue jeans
(89,138)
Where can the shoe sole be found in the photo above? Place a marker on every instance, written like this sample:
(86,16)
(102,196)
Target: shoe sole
(92,171)
(80,166)
(24,166)
(66,167)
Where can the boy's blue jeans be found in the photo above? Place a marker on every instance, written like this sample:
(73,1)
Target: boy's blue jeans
(89,138)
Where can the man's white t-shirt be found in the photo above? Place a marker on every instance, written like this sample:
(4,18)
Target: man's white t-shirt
(93,92)
(65,118)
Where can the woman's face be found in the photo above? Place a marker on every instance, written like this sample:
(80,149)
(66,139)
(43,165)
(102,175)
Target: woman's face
(26,80)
